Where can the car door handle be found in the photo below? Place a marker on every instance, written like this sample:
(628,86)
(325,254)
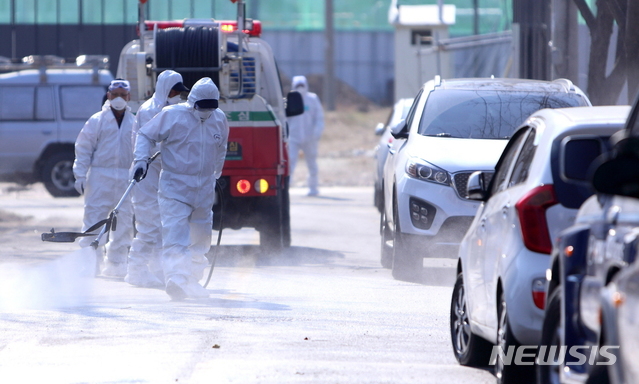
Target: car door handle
(47,132)
(392,151)
(482,224)
(505,209)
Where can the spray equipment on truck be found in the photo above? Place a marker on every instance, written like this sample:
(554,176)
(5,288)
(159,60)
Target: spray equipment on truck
(254,181)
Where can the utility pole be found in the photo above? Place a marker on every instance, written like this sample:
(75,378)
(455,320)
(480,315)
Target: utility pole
(329,57)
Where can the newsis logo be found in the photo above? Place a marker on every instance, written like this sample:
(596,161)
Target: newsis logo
(553,355)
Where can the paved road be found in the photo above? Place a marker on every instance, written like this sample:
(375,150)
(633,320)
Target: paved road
(323,311)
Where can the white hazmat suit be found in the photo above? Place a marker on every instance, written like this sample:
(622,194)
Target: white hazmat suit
(193,151)
(103,156)
(145,268)
(305,131)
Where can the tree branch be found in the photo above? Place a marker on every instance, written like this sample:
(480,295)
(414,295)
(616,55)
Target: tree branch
(586,13)
(618,8)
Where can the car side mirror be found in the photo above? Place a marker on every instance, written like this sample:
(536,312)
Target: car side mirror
(400,130)
(617,176)
(294,104)
(379,129)
(477,188)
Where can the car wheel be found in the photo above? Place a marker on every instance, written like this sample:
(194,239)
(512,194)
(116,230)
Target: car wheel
(509,373)
(386,249)
(469,349)
(378,199)
(57,174)
(407,265)
(551,335)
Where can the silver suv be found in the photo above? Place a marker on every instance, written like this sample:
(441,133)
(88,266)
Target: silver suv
(44,103)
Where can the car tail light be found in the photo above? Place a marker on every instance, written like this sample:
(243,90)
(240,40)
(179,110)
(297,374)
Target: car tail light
(243,186)
(539,292)
(532,218)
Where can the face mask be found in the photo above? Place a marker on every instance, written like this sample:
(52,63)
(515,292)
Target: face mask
(204,113)
(118,103)
(174,100)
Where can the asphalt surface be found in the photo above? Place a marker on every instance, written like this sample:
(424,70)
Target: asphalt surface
(323,311)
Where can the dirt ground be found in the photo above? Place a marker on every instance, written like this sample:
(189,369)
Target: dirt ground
(346,156)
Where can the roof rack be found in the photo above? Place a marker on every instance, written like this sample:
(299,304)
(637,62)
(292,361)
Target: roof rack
(566,83)
(44,62)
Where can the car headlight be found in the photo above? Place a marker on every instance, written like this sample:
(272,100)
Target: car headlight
(422,170)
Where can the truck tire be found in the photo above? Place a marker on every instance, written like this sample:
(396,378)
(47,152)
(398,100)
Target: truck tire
(286,215)
(57,174)
(276,234)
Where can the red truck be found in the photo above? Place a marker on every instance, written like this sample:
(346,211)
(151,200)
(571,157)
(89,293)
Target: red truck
(255,177)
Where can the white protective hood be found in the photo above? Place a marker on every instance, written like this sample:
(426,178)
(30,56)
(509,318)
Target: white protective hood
(204,89)
(297,81)
(166,80)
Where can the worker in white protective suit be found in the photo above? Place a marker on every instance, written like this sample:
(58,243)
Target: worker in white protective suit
(305,131)
(193,138)
(103,156)
(144,267)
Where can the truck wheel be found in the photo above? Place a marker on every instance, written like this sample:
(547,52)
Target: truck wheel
(276,234)
(57,174)
(272,235)
(286,215)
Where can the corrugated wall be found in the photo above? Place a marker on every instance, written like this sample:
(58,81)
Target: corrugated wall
(364,60)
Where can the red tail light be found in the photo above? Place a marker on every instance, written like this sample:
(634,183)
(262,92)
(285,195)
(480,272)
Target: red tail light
(243,186)
(532,218)
(539,293)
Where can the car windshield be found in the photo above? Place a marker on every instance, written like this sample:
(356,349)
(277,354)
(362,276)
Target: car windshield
(474,114)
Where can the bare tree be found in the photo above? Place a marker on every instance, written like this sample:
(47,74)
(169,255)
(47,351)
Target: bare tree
(605,88)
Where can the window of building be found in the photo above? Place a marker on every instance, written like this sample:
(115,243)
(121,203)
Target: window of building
(421,37)
(92,11)
(25,12)
(5,11)
(46,11)
(114,12)
(69,12)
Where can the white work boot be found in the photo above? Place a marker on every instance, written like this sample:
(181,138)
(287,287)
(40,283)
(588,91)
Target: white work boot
(112,269)
(141,276)
(198,265)
(195,291)
(180,288)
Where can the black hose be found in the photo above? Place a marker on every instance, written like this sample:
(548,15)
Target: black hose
(190,47)
(219,233)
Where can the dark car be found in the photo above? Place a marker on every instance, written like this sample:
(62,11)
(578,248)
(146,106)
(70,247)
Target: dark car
(587,256)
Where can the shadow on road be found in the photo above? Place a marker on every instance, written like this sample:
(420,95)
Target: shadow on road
(254,255)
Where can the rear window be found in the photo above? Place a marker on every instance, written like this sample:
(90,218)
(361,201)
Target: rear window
(478,114)
(571,159)
(81,102)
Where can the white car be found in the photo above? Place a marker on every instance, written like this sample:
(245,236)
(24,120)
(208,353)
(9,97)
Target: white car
(399,112)
(43,107)
(454,127)
(538,185)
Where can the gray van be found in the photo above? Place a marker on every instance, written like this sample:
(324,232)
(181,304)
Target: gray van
(42,110)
